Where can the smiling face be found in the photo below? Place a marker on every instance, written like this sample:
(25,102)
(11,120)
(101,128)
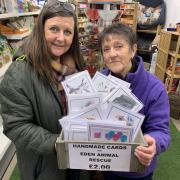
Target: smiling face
(59,33)
(117,53)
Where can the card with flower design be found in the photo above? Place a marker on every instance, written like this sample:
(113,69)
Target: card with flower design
(132,119)
(113,132)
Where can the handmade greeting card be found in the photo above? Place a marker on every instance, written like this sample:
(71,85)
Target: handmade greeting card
(77,103)
(124,98)
(91,113)
(80,83)
(78,131)
(109,132)
(132,119)
(103,84)
(119,81)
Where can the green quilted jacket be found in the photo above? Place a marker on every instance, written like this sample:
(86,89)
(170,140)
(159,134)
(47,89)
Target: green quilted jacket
(30,110)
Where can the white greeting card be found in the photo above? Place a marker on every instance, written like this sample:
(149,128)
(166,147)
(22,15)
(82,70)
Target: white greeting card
(103,84)
(91,113)
(74,129)
(77,103)
(133,119)
(109,131)
(124,98)
(65,124)
(119,81)
(78,131)
(80,83)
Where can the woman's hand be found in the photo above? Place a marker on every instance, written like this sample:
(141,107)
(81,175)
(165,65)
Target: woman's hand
(146,154)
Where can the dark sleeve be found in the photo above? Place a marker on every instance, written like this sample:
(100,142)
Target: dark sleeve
(17,114)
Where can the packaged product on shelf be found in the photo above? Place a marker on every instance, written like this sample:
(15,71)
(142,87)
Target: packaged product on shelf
(5,51)
(22,6)
(15,45)
(2,7)
(11,6)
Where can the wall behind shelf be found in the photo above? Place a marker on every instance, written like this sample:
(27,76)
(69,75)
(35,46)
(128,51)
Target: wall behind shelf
(172,12)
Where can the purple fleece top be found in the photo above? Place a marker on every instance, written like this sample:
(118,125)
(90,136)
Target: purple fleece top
(151,92)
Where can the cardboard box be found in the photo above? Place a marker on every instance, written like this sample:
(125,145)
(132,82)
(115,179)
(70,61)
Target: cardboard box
(100,156)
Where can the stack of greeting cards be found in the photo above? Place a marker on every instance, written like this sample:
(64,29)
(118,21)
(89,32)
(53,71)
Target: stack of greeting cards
(100,109)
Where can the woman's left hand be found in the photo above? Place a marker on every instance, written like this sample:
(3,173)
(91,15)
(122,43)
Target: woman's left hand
(145,154)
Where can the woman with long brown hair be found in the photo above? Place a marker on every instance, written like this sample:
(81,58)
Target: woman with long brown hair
(31,95)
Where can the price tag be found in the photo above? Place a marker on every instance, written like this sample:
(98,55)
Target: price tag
(99,157)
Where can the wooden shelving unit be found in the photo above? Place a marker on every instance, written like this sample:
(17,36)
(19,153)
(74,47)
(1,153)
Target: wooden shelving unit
(81,14)
(128,11)
(4,18)
(129,15)
(93,19)
(11,15)
(168,59)
(149,31)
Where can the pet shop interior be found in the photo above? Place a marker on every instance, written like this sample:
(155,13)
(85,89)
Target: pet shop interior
(157,25)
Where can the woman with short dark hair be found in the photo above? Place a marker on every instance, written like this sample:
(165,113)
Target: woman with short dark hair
(118,46)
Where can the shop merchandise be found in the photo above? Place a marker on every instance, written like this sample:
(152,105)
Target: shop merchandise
(93,17)
(5,51)
(151,13)
(112,117)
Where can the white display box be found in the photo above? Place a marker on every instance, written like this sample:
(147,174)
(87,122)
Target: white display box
(100,156)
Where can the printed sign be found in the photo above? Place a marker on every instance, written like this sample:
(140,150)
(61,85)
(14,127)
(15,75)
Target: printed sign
(101,157)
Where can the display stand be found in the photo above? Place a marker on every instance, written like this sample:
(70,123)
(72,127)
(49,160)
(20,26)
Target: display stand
(168,59)
(98,15)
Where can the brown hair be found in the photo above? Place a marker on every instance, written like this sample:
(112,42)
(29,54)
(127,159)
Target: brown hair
(118,29)
(35,46)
